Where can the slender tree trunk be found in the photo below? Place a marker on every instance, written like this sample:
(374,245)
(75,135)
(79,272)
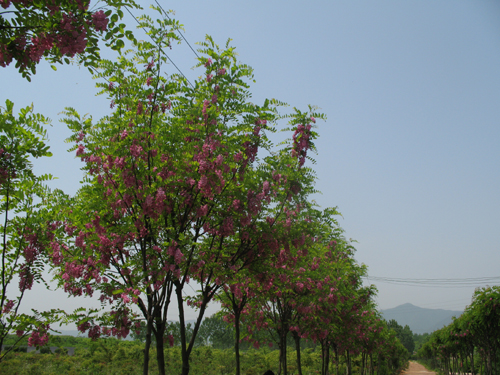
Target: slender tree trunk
(325,357)
(371,364)
(184,351)
(336,360)
(472,362)
(296,337)
(327,367)
(160,355)
(348,363)
(283,361)
(237,341)
(145,367)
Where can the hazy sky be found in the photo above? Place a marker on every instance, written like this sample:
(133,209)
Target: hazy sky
(410,152)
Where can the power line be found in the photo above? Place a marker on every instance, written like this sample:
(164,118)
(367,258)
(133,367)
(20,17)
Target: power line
(441,283)
(182,35)
(162,51)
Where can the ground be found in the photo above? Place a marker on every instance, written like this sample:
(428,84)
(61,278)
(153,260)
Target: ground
(416,369)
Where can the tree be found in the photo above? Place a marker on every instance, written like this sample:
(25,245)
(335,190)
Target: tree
(23,230)
(404,334)
(56,30)
(174,190)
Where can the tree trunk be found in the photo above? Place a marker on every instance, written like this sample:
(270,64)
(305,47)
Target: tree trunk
(336,360)
(472,362)
(237,341)
(145,368)
(327,367)
(184,351)
(348,363)
(325,357)
(160,355)
(282,346)
(296,337)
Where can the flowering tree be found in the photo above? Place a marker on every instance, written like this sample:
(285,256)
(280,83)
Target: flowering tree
(336,318)
(296,289)
(22,195)
(30,30)
(174,190)
(475,333)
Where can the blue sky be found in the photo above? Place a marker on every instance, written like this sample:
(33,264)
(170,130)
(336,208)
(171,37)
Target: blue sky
(410,151)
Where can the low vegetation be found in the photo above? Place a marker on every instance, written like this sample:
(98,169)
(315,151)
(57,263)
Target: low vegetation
(112,356)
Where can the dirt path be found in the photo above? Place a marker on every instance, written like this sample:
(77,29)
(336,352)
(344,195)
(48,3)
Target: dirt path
(416,369)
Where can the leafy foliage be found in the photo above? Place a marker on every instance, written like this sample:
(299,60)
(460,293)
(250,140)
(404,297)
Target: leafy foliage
(471,343)
(58,30)
(23,229)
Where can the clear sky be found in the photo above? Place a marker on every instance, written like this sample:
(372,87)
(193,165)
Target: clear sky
(411,149)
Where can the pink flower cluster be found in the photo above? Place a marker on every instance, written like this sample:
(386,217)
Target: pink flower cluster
(9,304)
(301,139)
(69,36)
(39,337)
(100,21)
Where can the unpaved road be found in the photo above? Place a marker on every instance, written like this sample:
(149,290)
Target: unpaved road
(417,369)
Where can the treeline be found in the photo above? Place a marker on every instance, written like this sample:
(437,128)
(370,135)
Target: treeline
(471,343)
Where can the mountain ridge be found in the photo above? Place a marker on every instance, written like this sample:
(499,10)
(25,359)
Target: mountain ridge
(419,319)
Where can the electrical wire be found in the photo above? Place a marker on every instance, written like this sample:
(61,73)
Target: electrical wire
(163,52)
(441,283)
(178,31)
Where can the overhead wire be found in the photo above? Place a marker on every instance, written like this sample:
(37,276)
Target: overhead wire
(163,52)
(178,31)
(442,283)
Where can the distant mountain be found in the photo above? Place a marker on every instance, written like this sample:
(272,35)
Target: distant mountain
(420,320)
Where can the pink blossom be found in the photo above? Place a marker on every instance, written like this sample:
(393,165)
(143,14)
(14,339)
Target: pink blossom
(203,182)
(208,63)
(40,44)
(238,156)
(95,332)
(80,150)
(100,20)
(25,279)
(5,56)
(178,256)
(39,337)
(8,306)
(5,3)
(125,298)
(202,211)
(265,187)
(221,72)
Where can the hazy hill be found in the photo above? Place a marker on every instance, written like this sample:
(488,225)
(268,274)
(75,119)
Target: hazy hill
(420,320)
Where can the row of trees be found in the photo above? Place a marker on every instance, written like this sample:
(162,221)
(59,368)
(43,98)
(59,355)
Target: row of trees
(404,334)
(470,344)
(182,186)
